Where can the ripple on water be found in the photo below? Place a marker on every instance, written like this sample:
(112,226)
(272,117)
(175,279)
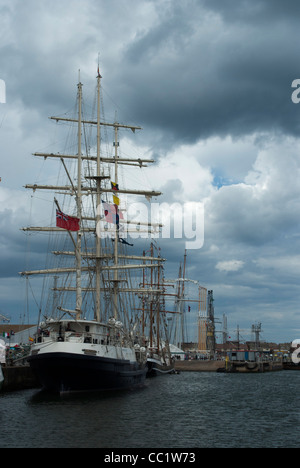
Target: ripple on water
(187,410)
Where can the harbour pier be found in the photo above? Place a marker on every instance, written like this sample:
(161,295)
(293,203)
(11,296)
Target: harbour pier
(18,378)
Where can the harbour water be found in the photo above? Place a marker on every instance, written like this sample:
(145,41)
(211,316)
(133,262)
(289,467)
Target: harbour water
(188,410)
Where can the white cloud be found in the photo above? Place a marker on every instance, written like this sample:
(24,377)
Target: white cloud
(230,265)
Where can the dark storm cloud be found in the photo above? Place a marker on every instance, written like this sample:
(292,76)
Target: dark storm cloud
(258,11)
(228,77)
(42,53)
(203,68)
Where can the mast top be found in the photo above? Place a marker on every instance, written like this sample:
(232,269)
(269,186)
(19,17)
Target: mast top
(79,82)
(98,72)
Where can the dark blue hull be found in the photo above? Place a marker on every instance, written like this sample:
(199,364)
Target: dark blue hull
(66,373)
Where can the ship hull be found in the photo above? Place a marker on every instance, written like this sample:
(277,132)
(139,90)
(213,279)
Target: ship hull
(68,373)
(156,367)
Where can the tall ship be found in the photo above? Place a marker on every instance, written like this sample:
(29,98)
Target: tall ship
(90,337)
(191,322)
(154,317)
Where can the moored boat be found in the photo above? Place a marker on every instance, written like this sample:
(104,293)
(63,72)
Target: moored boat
(158,364)
(96,344)
(80,355)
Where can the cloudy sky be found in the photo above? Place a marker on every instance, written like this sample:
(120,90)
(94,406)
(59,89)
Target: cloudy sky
(210,82)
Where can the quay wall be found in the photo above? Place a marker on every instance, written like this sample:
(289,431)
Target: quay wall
(18,378)
(199,366)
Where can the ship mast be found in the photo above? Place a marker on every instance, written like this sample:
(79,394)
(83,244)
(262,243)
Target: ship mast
(98,199)
(116,243)
(79,212)
(97,190)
